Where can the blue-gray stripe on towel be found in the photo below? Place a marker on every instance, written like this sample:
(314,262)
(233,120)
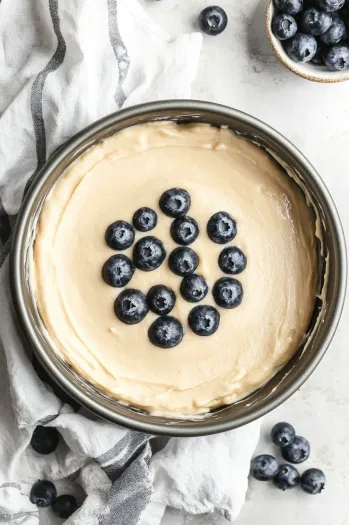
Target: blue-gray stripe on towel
(38,88)
(129,444)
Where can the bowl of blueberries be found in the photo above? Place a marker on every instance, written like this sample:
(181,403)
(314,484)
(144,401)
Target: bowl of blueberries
(310,37)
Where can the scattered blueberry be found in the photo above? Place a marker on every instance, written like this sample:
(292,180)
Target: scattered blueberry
(64,506)
(118,270)
(335,33)
(43,493)
(330,5)
(264,467)
(337,57)
(184,230)
(315,22)
(301,48)
(231,260)
(166,332)
(290,7)
(161,299)
(44,439)
(284,26)
(294,449)
(175,202)
(297,451)
(183,261)
(148,253)
(193,288)
(213,20)
(313,481)
(287,477)
(283,434)
(221,228)
(131,306)
(120,235)
(204,320)
(227,292)
(144,219)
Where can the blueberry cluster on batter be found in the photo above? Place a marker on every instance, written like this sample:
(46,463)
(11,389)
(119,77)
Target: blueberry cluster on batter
(131,306)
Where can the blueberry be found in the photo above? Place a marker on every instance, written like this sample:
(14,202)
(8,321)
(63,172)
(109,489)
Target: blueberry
(119,235)
(44,439)
(301,47)
(43,493)
(313,481)
(231,260)
(184,230)
(282,434)
(221,228)
(337,57)
(144,219)
(183,261)
(297,451)
(204,320)
(330,5)
(264,467)
(161,299)
(175,202)
(290,7)
(335,33)
(193,288)
(118,270)
(284,26)
(315,22)
(227,292)
(149,253)
(65,506)
(287,477)
(213,20)
(131,306)
(166,332)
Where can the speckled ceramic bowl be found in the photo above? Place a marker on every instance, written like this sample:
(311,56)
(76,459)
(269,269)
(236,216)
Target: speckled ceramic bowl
(326,312)
(308,71)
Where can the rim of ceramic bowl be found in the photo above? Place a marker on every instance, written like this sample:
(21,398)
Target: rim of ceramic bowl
(329,77)
(168,110)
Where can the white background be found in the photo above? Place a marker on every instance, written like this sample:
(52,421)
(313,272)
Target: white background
(239,69)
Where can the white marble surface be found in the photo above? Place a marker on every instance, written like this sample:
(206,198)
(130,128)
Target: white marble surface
(238,69)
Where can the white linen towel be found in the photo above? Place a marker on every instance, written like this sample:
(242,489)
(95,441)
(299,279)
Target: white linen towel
(202,475)
(64,64)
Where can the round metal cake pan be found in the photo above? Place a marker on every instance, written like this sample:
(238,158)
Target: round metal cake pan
(326,314)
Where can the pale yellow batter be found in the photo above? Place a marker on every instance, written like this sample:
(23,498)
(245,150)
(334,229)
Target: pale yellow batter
(221,172)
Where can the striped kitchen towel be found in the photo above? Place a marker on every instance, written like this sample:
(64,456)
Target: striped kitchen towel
(64,64)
